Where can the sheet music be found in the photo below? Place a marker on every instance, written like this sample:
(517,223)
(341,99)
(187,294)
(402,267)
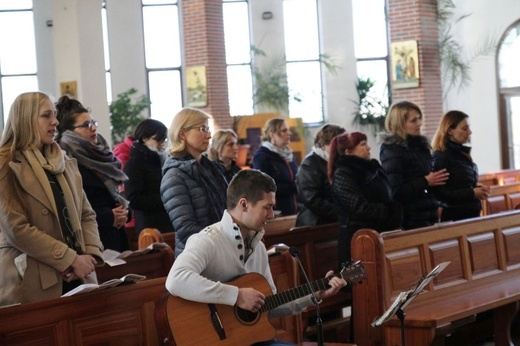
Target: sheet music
(404,298)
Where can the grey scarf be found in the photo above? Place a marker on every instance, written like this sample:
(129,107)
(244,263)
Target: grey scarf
(99,159)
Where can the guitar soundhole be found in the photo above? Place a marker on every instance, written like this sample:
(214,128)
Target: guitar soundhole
(246,317)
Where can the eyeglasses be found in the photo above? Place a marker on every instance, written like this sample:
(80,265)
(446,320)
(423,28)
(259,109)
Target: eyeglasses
(87,124)
(203,129)
(164,140)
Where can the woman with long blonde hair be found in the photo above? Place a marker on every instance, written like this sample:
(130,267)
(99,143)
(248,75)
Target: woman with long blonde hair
(48,231)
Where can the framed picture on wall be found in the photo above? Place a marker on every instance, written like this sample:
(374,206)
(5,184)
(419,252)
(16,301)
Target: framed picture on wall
(405,64)
(196,86)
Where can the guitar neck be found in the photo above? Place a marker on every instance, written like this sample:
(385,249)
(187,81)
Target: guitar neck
(281,298)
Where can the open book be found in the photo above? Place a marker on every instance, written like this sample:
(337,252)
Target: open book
(277,248)
(404,298)
(127,279)
(115,258)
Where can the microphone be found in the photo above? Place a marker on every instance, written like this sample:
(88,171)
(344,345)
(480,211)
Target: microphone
(319,327)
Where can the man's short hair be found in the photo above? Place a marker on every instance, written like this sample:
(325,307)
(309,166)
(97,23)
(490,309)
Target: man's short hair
(250,184)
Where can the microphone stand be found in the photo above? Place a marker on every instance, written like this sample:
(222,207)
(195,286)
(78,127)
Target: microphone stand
(319,324)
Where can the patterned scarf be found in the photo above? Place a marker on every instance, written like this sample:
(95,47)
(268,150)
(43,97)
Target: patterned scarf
(285,152)
(99,159)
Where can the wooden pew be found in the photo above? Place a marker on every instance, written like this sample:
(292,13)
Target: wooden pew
(285,275)
(154,264)
(122,315)
(501,177)
(280,224)
(149,236)
(317,247)
(484,275)
(502,198)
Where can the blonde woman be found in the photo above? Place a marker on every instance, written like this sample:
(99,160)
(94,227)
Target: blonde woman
(193,188)
(406,158)
(224,150)
(49,237)
(275,158)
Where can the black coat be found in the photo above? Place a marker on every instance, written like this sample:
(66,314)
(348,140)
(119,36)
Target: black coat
(315,203)
(363,200)
(457,196)
(284,174)
(102,202)
(407,163)
(143,189)
(229,172)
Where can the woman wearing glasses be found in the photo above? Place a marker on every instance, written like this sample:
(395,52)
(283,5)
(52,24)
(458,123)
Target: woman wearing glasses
(275,158)
(49,238)
(193,188)
(144,176)
(99,168)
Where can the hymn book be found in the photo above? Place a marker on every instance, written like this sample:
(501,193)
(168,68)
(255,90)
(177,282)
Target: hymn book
(127,279)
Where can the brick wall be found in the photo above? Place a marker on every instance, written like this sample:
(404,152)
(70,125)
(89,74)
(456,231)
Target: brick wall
(417,20)
(203,31)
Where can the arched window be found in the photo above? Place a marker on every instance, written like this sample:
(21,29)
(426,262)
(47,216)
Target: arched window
(509,89)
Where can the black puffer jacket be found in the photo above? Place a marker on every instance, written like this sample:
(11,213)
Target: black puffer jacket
(407,163)
(457,196)
(143,189)
(229,172)
(315,203)
(363,200)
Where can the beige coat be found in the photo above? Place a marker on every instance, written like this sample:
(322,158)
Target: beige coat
(38,234)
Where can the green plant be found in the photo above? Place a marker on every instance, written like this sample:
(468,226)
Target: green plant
(455,66)
(125,114)
(270,81)
(371,110)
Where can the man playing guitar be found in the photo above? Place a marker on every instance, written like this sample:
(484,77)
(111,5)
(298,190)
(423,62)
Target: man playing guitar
(233,247)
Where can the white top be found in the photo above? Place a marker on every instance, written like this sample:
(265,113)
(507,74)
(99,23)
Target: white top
(215,256)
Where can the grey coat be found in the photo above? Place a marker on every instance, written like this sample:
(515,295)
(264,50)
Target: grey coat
(185,199)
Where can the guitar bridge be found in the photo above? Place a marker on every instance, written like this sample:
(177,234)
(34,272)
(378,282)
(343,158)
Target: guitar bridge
(217,323)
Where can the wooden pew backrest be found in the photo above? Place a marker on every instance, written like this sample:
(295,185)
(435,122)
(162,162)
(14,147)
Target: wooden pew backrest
(501,177)
(280,224)
(121,315)
(154,264)
(285,275)
(502,198)
(484,273)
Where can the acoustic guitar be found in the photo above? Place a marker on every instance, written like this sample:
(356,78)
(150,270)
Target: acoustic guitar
(182,322)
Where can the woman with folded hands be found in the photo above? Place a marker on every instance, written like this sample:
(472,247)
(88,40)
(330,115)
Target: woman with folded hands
(49,241)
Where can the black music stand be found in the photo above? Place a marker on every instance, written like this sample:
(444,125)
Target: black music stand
(404,298)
